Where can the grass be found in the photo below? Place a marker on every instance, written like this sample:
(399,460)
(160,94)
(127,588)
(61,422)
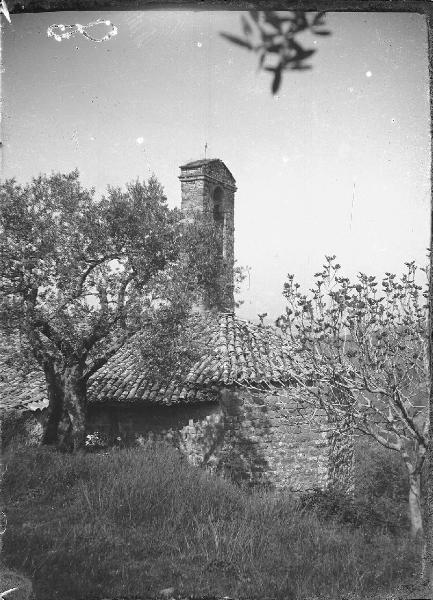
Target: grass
(137,521)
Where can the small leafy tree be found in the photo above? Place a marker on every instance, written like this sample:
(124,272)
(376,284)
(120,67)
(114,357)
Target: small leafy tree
(80,276)
(273,35)
(361,351)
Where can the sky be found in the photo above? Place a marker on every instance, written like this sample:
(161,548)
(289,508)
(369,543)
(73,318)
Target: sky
(336,163)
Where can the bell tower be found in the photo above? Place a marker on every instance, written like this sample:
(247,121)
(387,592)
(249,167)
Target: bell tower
(208,187)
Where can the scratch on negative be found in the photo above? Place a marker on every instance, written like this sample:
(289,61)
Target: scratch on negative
(6,592)
(4,10)
(63,32)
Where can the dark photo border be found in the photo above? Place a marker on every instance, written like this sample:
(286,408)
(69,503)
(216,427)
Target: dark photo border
(423,7)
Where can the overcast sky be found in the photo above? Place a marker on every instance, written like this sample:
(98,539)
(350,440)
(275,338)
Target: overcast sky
(337,163)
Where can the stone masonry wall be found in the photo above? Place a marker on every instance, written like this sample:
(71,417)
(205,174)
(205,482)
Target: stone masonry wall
(226,284)
(255,437)
(198,186)
(191,428)
(192,195)
(270,440)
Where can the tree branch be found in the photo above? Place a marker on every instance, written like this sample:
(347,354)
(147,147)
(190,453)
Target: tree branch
(104,326)
(407,419)
(121,299)
(111,351)
(49,332)
(77,293)
(368,430)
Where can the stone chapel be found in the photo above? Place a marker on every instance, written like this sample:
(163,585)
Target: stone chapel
(233,412)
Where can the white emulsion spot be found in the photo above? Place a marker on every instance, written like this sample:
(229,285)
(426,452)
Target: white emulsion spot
(368,74)
(199,44)
(140,140)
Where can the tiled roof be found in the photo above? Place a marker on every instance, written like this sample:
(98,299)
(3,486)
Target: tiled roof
(20,388)
(237,353)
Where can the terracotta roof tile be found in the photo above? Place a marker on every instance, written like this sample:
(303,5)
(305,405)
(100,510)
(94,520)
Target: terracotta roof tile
(20,388)
(237,352)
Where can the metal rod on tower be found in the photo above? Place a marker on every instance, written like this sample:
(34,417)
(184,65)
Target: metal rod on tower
(205,149)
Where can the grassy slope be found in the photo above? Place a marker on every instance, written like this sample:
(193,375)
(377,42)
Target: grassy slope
(137,521)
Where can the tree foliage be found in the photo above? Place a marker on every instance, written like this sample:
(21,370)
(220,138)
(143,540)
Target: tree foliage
(73,269)
(178,334)
(274,36)
(79,276)
(361,350)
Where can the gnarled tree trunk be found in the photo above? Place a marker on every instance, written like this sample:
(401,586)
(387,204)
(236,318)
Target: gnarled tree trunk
(55,404)
(418,529)
(66,419)
(72,430)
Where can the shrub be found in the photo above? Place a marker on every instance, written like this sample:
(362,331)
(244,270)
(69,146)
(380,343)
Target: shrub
(380,499)
(381,486)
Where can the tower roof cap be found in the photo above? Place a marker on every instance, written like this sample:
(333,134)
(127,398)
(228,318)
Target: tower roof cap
(205,162)
(200,162)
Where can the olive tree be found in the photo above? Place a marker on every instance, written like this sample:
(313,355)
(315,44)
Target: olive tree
(79,276)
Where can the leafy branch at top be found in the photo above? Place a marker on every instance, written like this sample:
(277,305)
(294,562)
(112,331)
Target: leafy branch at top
(272,35)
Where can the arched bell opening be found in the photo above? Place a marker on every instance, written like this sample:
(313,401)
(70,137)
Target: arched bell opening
(218,205)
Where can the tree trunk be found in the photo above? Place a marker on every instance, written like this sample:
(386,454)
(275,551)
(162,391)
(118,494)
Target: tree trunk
(66,419)
(72,427)
(428,546)
(415,514)
(55,405)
